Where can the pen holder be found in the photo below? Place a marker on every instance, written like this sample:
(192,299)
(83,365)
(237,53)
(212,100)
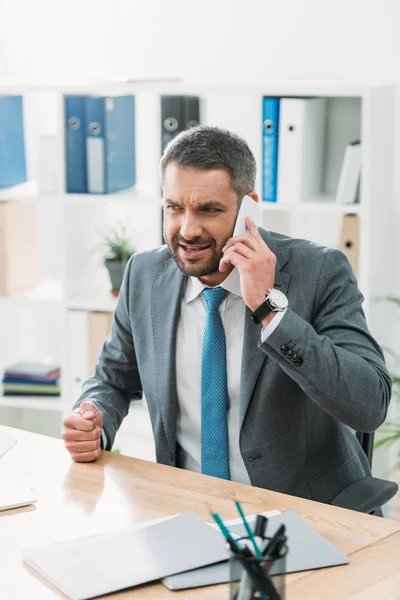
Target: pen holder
(254,578)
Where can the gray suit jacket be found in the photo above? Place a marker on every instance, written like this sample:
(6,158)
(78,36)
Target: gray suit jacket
(296,419)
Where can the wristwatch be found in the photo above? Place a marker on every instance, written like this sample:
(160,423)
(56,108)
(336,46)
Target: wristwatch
(275,301)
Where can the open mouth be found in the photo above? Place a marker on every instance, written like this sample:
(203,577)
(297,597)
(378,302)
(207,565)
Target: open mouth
(193,251)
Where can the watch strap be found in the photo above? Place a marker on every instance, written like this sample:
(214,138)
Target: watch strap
(262,311)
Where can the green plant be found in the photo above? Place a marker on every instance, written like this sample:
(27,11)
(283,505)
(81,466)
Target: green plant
(118,246)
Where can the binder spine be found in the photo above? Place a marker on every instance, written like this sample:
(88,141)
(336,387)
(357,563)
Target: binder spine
(95,146)
(301,144)
(171,118)
(191,111)
(120,159)
(75,151)
(12,142)
(270,136)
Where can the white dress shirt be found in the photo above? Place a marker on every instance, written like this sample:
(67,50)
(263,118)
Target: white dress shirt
(189,345)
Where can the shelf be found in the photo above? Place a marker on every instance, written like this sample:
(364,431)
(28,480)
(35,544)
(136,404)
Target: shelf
(129,194)
(53,404)
(321,205)
(176,85)
(49,290)
(93,86)
(23,191)
(324,203)
(101,301)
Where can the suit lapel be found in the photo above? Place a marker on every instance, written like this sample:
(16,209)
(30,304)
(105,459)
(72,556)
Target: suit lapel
(253,358)
(167,290)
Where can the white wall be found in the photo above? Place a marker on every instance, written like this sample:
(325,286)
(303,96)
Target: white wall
(52,39)
(230,39)
(221,40)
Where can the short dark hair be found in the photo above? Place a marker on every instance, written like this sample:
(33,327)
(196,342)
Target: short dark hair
(205,148)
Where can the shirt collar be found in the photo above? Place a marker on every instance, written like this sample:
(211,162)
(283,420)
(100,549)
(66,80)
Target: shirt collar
(194,286)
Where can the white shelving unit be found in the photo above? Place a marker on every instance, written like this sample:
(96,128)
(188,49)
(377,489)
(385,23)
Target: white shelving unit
(32,403)
(325,206)
(24,191)
(76,281)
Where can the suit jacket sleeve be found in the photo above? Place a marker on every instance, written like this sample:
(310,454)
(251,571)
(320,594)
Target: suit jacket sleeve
(116,380)
(342,368)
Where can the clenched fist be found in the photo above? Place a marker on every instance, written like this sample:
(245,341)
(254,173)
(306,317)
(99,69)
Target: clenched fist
(82,432)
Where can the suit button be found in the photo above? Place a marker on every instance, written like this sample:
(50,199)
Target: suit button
(299,361)
(294,357)
(289,353)
(284,349)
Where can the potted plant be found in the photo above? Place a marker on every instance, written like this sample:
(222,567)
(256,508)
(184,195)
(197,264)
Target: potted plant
(118,251)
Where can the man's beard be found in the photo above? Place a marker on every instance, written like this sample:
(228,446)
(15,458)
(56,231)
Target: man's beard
(200,269)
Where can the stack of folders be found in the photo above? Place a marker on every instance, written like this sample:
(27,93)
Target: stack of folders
(293,133)
(100,144)
(32,379)
(12,144)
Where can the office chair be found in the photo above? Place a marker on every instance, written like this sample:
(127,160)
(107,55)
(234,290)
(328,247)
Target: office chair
(369,494)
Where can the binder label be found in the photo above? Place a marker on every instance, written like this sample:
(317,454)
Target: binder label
(95,163)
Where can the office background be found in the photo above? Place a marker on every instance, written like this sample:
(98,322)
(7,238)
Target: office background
(306,44)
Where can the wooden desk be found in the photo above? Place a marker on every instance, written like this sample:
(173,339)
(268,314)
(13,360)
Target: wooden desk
(118,491)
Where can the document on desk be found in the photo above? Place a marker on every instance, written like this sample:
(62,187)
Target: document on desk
(15,496)
(6,442)
(101,564)
(307,550)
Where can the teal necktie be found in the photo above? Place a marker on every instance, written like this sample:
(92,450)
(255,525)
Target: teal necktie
(214,390)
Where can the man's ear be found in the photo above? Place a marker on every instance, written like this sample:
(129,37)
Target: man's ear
(254,195)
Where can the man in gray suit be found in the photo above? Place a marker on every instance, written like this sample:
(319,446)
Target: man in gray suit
(264,385)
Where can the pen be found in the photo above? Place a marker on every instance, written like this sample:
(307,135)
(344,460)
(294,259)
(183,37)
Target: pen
(247,527)
(245,591)
(260,526)
(274,541)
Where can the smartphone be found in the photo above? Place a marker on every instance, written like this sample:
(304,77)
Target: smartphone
(248,208)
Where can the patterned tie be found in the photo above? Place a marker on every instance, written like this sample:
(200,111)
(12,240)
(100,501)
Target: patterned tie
(214,390)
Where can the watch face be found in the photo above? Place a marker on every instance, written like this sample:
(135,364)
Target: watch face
(277,299)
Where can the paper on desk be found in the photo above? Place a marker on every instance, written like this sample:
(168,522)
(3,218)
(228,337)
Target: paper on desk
(101,564)
(15,496)
(249,518)
(6,442)
(238,521)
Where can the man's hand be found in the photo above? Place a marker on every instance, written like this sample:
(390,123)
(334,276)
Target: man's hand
(255,263)
(82,432)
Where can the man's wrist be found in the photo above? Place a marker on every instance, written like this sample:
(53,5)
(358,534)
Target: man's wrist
(267,320)
(257,304)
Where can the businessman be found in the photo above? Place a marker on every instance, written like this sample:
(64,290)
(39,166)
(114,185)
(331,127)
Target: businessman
(253,351)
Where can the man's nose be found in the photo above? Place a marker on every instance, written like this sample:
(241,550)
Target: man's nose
(190,227)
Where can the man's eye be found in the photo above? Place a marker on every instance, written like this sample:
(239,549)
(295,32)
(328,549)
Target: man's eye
(173,207)
(210,210)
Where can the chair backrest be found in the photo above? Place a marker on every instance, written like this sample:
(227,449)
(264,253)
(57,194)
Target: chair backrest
(367,444)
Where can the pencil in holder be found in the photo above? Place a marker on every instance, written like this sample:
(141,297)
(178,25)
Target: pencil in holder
(254,578)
